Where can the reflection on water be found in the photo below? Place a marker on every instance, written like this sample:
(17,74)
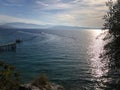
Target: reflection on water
(98,67)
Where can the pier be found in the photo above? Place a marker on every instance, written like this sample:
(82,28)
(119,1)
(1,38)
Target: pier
(8,47)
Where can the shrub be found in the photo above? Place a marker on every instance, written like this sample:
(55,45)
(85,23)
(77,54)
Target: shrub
(42,82)
(9,78)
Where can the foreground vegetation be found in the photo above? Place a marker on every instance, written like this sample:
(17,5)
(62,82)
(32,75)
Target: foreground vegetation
(10,80)
(112,23)
(112,48)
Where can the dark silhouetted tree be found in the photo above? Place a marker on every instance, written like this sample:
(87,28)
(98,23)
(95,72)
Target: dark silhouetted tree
(112,18)
(112,23)
(112,48)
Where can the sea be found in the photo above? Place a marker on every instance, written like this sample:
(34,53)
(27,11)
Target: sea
(68,57)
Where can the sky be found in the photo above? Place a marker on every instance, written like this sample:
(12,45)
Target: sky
(83,13)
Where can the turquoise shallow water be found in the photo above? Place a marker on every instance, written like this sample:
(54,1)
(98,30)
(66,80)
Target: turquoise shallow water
(68,57)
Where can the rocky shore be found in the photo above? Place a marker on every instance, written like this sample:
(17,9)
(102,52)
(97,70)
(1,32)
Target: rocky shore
(51,86)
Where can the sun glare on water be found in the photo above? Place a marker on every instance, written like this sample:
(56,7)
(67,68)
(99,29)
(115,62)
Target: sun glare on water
(97,32)
(95,49)
(99,68)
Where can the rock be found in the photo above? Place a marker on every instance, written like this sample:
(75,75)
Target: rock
(56,87)
(29,86)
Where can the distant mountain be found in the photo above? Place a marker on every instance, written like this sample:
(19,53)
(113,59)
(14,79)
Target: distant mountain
(5,26)
(69,28)
(24,25)
(35,26)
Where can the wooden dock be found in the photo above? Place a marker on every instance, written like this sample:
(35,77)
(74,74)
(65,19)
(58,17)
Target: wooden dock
(8,47)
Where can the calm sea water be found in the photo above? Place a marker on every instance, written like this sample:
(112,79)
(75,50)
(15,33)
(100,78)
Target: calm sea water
(68,57)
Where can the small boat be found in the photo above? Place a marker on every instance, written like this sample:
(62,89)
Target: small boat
(18,41)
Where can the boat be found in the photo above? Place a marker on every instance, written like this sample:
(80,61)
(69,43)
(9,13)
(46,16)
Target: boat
(18,40)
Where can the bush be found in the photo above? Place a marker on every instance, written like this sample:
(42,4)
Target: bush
(42,82)
(9,78)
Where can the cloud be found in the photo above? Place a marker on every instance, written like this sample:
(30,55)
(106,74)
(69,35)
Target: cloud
(9,19)
(52,5)
(38,2)
(70,12)
(83,13)
(13,3)
(8,4)
(66,19)
(74,12)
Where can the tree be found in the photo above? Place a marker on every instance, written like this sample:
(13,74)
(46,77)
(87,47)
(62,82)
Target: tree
(112,23)
(112,48)
(112,18)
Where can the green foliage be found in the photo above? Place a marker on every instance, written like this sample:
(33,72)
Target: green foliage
(112,23)
(42,82)
(9,78)
(112,18)
(112,48)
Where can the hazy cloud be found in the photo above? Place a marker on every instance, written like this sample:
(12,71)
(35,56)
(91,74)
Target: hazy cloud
(8,19)
(72,12)
(15,3)
(38,2)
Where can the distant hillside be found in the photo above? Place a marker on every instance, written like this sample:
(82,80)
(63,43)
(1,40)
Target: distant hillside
(23,25)
(69,28)
(5,26)
(18,25)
